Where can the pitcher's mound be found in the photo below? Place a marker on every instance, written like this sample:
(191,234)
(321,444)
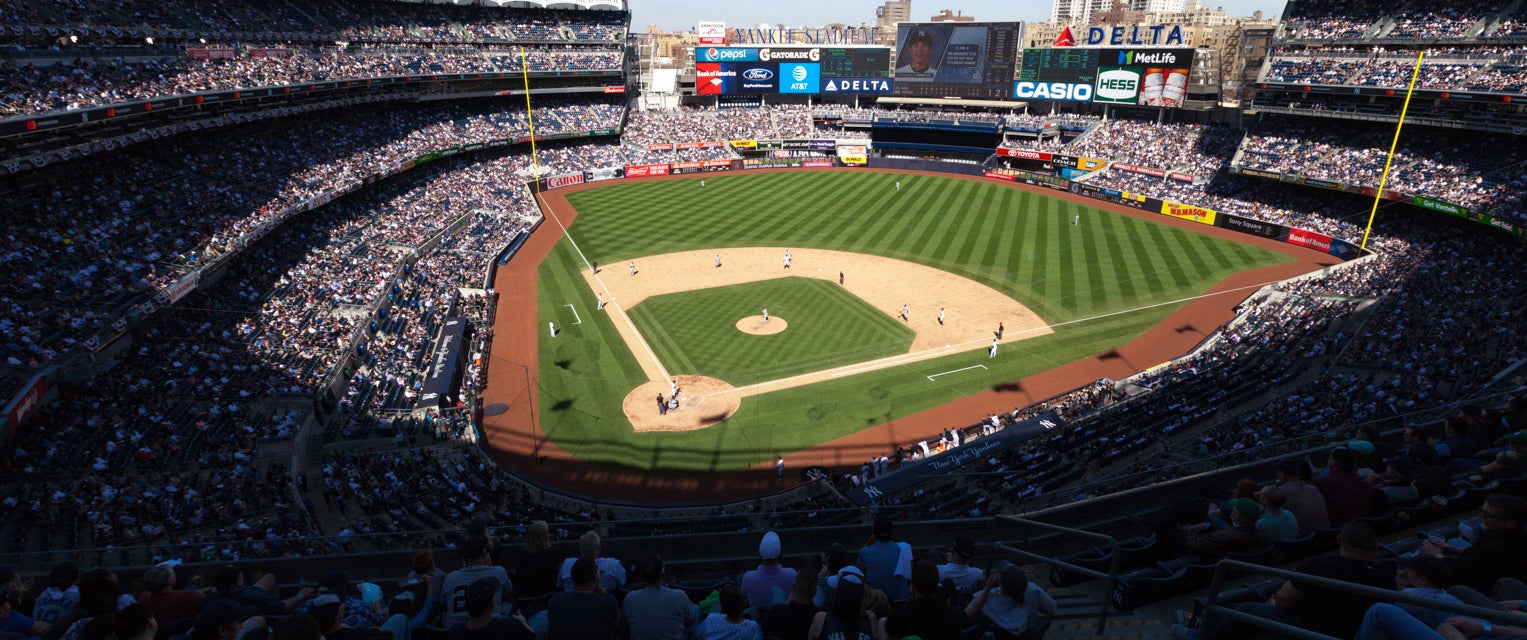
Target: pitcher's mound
(755,325)
(702,402)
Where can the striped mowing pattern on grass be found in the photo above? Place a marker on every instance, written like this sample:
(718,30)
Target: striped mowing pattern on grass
(695,331)
(1020,243)
(1017,242)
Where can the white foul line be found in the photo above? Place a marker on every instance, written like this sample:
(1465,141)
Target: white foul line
(978,366)
(575,313)
(663,371)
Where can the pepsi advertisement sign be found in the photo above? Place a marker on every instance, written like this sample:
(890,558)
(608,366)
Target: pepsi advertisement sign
(800,77)
(725,54)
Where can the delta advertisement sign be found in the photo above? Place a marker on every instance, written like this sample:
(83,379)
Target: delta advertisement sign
(1121,35)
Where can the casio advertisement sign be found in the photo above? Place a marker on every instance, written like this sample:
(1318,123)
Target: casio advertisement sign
(1069,91)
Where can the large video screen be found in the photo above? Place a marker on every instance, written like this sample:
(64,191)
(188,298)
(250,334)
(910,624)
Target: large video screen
(792,69)
(967,60)
(1142,77)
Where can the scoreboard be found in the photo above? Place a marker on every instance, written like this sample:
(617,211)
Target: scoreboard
(856,63)
(1061,64)
(967,59)
(792,69)
(1142,77)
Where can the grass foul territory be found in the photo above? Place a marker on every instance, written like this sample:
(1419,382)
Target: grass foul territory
(1022,244)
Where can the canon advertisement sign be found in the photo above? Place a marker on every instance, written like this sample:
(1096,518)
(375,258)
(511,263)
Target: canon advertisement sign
(565,180)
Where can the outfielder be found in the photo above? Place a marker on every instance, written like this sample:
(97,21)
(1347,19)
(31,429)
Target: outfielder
(1077,220)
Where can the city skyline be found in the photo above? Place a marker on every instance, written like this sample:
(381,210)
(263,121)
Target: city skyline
(682,15)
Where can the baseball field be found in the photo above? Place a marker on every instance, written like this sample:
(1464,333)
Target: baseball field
(1065,280)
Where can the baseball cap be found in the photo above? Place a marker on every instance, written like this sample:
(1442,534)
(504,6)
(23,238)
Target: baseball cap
(964,548)
(1361,446)
(768,548)
(849,573)
(1344,456)
(480,593)
(1248,508)
(920,34)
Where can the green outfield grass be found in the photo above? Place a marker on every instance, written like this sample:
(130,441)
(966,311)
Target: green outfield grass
(1020,243)
(696,332)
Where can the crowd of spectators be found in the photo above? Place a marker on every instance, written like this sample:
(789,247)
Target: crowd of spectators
(109,244)
(342,19)
(1477,172)
(90,82)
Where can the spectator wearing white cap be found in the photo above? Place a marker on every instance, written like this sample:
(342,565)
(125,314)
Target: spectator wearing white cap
(958,569)
(768,585)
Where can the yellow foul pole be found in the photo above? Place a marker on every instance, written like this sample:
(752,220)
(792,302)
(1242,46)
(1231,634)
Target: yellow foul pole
(1378,195)
(535,165)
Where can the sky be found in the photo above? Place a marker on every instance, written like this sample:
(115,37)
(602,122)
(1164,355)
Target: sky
(675,15)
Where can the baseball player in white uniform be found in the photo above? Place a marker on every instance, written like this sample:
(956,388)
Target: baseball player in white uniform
(766,315)
(787,258)
(941,316)
(993,352)
(905,311)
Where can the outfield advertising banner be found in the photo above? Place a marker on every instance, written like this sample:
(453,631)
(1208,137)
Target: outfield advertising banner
(1440,206)
(746,145)
(646,170)
(1309,240)
(1253,227)
(1024,154)
(1188,212)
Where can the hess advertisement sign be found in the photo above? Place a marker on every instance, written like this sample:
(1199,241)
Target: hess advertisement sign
(1118,85)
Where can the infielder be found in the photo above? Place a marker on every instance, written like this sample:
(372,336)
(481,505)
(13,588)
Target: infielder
(766,315)
(599,301)
(993,352)
(787,258)
(632,266)
(718,261)
(905,311)
(941,316)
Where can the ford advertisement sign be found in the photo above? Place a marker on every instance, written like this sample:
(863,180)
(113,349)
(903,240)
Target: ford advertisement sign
(761,79)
